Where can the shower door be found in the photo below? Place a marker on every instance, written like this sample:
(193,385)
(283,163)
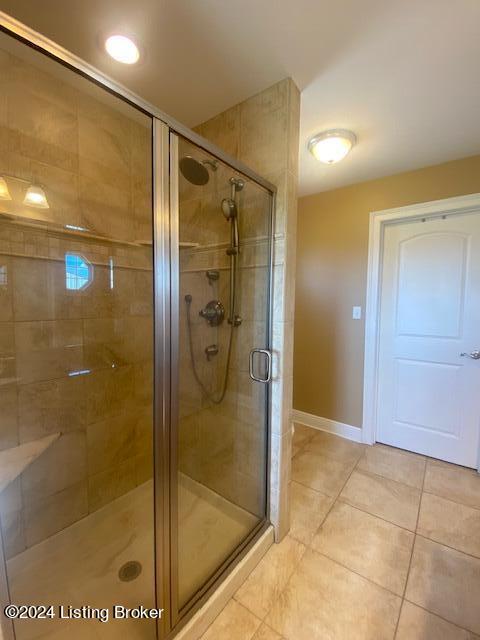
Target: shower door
(134,353)
(76,348)
(221,366)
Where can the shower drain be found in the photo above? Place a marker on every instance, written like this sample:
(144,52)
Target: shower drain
(129,571)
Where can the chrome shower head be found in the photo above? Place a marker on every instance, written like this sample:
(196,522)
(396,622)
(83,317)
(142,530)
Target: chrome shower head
(194,171)
(229,208)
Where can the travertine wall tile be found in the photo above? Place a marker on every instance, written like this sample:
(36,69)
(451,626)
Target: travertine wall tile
(263,132)
(74,362)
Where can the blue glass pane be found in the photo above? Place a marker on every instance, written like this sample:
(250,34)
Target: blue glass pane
(78,271)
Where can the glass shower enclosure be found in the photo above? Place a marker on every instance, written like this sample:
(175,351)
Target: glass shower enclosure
(135,287)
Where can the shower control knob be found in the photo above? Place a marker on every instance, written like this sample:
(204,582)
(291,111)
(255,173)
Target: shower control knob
(214,313)
(211,351)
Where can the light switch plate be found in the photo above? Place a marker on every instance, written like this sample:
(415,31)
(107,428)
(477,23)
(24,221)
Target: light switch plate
(357,313)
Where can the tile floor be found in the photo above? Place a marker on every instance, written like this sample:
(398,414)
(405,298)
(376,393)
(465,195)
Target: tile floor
(383,544)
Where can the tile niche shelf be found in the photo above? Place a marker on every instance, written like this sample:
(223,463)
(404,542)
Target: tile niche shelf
(181,244)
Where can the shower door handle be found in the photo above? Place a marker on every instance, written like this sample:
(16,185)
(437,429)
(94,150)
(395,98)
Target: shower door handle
(268,373)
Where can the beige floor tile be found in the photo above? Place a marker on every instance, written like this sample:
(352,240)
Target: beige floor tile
(376,549)
(308,509)
(450,523)
(326,601)
(235,623)
(454,483)
(446,582)
(331,446)
(78,630)
(265,633)
(264,585)
(418,624)
(395,464)
(382,497)
(318,472)
(302,435)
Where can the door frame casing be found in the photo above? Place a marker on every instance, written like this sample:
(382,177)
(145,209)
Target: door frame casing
(378,222)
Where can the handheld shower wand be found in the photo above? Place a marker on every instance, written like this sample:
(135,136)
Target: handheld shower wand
(230,211)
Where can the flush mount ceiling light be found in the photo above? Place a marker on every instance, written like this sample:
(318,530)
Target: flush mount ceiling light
(4,192)
(122,49)
(35,197)
(331,146)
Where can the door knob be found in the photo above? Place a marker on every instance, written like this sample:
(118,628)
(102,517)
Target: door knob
(475,355)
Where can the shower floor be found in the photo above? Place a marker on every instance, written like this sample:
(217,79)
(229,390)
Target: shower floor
(79,565)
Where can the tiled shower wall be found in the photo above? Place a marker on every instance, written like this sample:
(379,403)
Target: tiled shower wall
(222,445)
(78,363)
(263,133)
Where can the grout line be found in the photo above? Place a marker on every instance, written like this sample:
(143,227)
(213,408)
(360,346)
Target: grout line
(378,475)
(374,515)
(334,497)
(334,502)
(352,463)
(447,546)
(399,615)
(413,547)
(415,604)
(234,597)
(320,493)
(360,575)
(294,570)
(462,504)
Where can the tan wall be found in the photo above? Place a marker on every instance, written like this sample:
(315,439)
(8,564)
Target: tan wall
(263,132)
(332,251)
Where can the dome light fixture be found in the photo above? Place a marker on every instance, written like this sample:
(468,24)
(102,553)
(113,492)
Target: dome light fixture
(331,146)
(35,197)
(122,49)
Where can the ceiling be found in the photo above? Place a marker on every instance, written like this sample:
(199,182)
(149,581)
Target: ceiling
(404,76)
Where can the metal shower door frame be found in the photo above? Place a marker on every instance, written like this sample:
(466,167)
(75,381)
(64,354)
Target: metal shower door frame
(167,271)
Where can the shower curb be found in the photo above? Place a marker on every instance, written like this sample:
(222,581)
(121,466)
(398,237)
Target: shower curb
(204,617)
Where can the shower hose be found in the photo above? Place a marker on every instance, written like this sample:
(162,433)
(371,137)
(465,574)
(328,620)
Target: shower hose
(215,399)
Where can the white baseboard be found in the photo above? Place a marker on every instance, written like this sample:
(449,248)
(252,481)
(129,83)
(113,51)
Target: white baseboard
(325,424)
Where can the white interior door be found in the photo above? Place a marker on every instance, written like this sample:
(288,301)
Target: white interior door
(428,393)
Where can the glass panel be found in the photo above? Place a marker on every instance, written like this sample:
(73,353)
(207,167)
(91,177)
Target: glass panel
(224,233)
(76,346)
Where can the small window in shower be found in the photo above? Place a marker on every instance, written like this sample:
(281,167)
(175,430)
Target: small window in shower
(78,272)
(3,275)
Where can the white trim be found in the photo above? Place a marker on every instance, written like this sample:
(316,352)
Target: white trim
(378,221)
(325,424)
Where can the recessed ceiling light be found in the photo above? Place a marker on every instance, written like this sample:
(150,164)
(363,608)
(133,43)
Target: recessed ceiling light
(122,49)
(331,146)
